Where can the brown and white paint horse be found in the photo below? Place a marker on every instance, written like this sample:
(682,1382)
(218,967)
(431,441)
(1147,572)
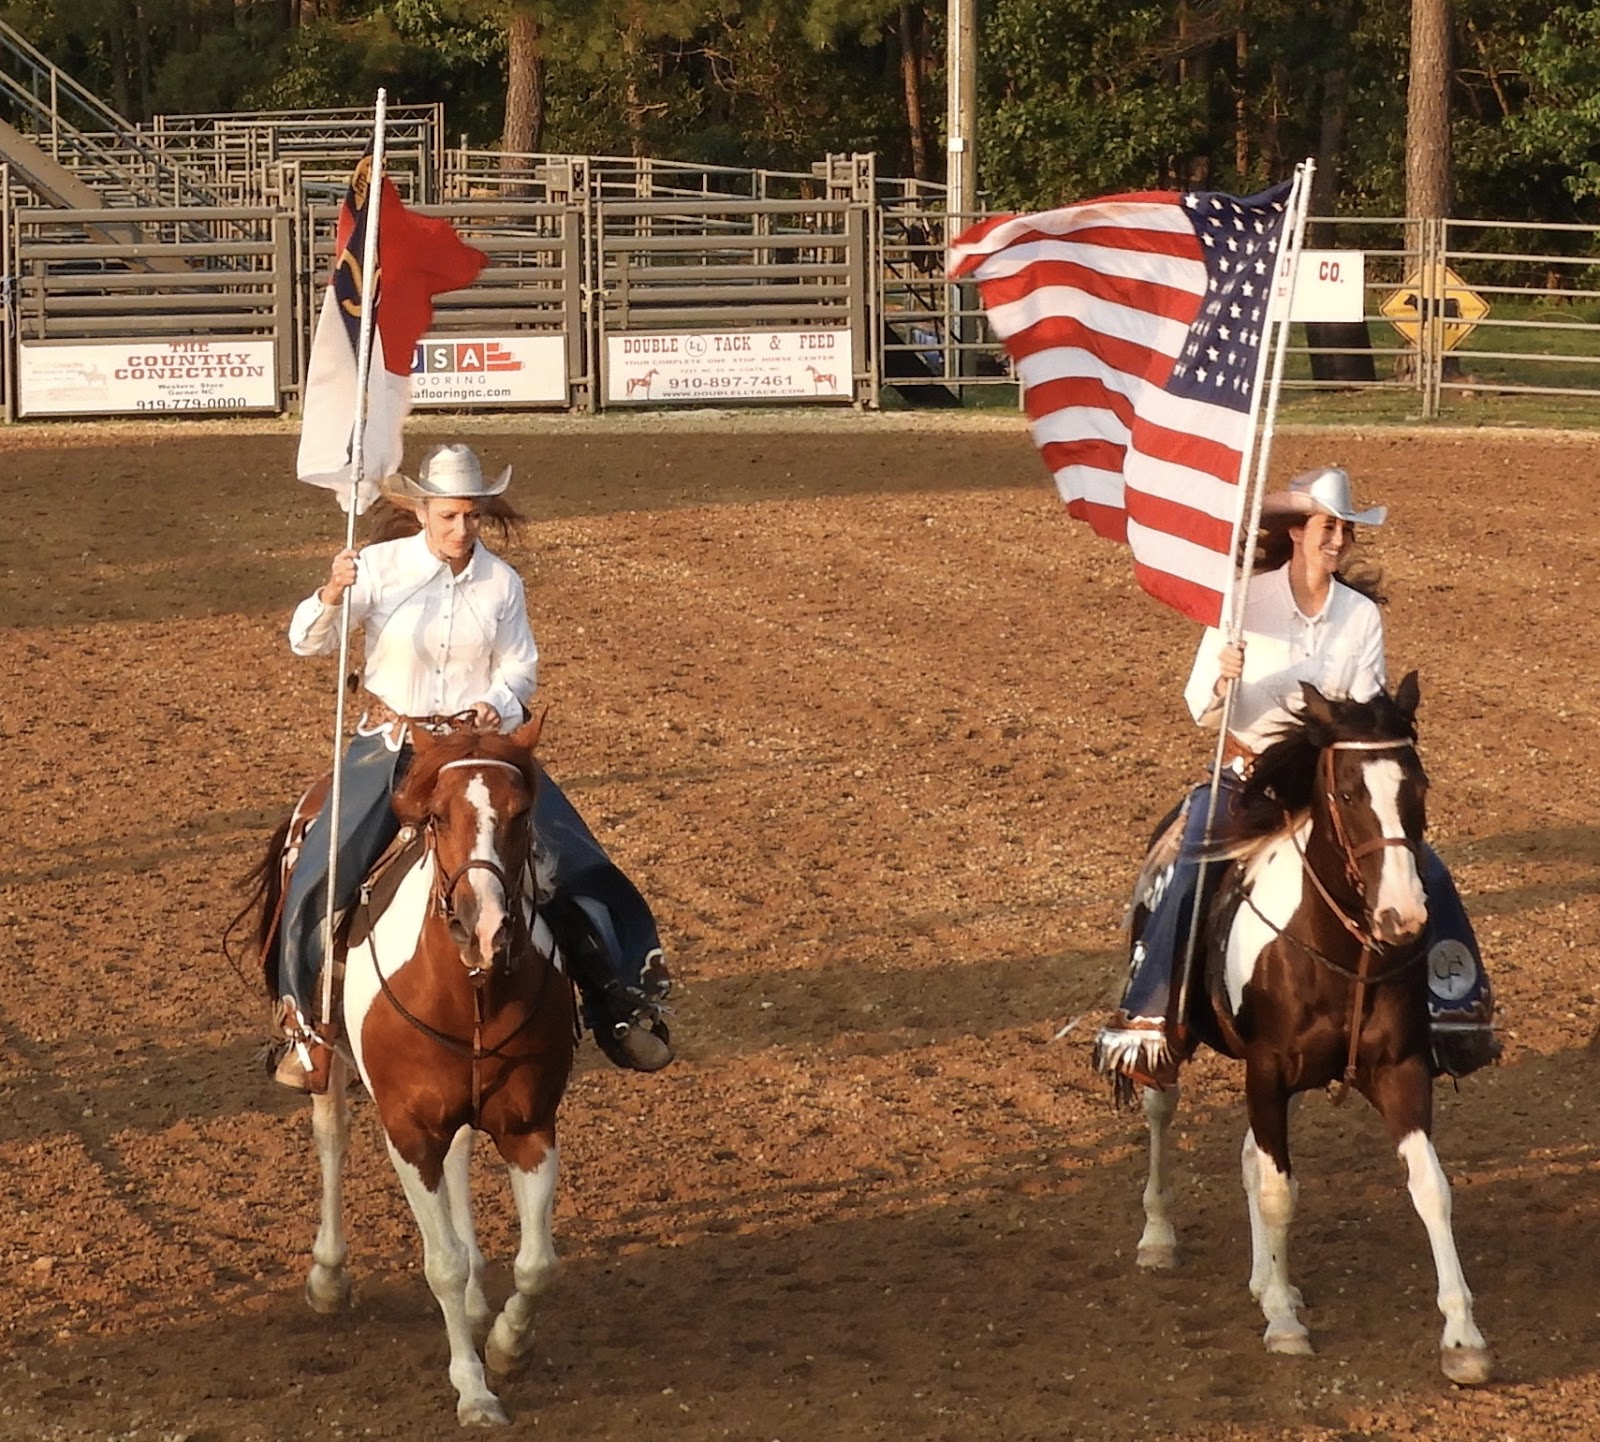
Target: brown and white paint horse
(1314,977)
(460,1020)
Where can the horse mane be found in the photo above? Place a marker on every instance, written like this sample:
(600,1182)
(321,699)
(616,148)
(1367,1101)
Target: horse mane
(414,791)
(1284,777)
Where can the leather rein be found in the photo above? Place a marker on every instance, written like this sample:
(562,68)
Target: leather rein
(1351,854)
(442,904)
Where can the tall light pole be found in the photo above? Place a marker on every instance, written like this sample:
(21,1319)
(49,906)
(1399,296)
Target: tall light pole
(961,91)
(961,169)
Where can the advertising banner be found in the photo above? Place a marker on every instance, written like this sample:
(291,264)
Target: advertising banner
(147,377)
(705,367)
(507,370)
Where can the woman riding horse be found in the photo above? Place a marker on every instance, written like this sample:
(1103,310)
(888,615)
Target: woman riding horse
(447,639)
(1305,620)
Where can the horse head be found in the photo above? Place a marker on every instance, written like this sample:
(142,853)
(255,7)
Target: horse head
(1370,789)
(473,794)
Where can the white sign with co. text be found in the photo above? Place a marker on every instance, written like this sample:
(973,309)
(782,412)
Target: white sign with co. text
(704,367)
(1330,285)
(154,377)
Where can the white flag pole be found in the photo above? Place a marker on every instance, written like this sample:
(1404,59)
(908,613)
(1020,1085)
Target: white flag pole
(1264,404)
(369,280)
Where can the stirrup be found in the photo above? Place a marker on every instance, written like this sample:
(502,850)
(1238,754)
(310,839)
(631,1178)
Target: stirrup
(1133,1052)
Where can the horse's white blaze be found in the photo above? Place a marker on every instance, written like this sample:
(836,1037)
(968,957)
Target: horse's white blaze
(488,896)
(1275,881)
(390,946)
(1400,909)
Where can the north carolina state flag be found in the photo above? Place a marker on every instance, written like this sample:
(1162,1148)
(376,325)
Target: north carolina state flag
(418,258)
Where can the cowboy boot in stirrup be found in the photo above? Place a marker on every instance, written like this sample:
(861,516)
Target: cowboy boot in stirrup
(304,1067)
(626,1023)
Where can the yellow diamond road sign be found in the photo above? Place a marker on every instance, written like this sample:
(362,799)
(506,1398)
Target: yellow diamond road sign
(1412,306)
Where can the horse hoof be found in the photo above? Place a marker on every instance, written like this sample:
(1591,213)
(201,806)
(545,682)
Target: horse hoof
(327,1291)
(1467,1366)
(1290,1344)
(487,1413)
(1158,1256)
(501,1360)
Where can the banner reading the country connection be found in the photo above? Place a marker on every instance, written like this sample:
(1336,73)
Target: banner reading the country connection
(191,376)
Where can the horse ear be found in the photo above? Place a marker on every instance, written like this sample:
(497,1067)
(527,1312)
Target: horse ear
(527,735)
(1408,695)
(1314,706)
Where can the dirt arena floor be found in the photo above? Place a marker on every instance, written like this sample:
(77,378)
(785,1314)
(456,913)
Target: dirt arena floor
(879,730)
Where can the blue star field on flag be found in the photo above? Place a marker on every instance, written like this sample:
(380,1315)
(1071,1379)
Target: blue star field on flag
(1239,240)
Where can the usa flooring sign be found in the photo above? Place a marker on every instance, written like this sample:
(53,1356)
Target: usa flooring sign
(490,371)
(147,377)
(704,367)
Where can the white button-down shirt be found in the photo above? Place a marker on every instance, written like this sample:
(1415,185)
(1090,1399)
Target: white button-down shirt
(436,643)
(1340,652)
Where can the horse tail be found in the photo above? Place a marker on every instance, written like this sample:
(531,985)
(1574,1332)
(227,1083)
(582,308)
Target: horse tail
(264,885)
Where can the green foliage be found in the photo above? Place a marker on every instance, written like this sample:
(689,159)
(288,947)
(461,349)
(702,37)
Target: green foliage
(1077,100)
(1559,127)
(1077,97)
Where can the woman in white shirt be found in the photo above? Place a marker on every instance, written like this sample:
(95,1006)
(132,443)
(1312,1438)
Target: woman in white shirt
(1305,619)
(445,623)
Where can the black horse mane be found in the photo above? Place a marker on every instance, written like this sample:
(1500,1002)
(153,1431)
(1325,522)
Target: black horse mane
(1284,775)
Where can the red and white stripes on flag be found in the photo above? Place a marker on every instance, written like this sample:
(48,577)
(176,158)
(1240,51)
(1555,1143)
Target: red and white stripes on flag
(419,257)
(1136,324)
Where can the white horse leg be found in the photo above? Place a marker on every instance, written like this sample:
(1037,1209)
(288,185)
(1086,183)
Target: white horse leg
(1260,1248)
(1464,1355)
(445,1264)
(535,1193)
(1275,1193)
(458,1189)
(328,1284)
(1158,1245)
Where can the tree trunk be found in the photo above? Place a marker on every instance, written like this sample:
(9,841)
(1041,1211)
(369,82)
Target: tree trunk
(1241,108)
(911,80)
(524,127)
(1428,111)
(1335,111)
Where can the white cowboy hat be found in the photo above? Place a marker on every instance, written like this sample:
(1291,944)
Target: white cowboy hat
(448,471)
(1322,491)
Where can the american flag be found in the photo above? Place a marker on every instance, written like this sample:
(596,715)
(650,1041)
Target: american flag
(1136,323)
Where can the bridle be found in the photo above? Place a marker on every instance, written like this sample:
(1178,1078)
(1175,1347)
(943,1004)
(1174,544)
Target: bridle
(1351,855)
(445,883)
(442,902)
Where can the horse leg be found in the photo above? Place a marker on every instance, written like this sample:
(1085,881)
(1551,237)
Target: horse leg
(511,1339)
(1404,1097)
(1271,1191)
(1260,1251)
(446,1264)
(1158,1245)
(328,1283)
(458,1189)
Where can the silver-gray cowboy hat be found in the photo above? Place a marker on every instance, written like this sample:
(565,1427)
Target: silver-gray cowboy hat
(1323,491)
(452,472)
